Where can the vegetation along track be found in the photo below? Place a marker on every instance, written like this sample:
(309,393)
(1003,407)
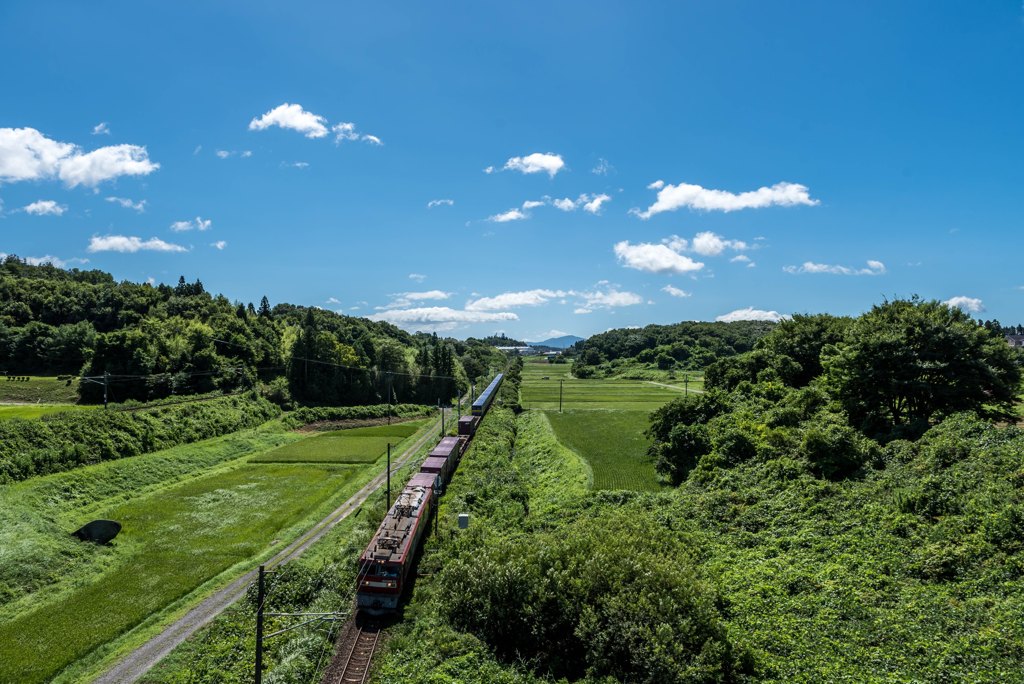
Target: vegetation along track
(139,661)
(361,643)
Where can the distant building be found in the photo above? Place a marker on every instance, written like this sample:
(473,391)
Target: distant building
(522,351)
(1015,340)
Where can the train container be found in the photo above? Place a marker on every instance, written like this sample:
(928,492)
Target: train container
(429,480)
(467,425)
(439,466)
(482,402)
(386,563)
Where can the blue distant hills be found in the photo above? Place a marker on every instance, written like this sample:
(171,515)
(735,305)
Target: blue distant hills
(562,342)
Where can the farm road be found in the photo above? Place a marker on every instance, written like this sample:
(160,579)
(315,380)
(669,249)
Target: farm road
(139,661)
(678,389)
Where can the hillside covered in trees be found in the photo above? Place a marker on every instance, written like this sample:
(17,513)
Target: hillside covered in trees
(162,340)
(689,345)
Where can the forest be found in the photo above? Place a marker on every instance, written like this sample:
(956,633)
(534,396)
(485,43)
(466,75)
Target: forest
(147,342)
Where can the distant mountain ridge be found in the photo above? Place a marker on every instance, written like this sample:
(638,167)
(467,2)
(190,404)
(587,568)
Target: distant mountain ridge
(563,342)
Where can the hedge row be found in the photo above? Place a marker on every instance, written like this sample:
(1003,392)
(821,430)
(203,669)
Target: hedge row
(65,441)
(316,414)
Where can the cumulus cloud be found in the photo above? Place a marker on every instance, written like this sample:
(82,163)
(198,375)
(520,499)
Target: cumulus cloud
(347,131)
(510,300)
(45,208)
(593,204)
(654,258)
(672,197)
(223,154)
(418,277)
(710,244)
(130,244)
(439,317)
(139,206)
(675,291)
(101,128)
(751,314)
(971,304)
(440,203)
(198,223)
(333,300)
(532,204)
(873,268)
(292,117)
(27,154)
(538,162)
(219,244)
(609,298)
(510,215)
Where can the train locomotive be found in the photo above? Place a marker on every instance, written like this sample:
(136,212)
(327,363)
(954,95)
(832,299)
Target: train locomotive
(385,565)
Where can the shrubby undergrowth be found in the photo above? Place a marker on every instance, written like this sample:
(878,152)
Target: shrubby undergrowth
(69,440)
(307,414)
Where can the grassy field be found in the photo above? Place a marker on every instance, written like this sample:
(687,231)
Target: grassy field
(541,386)
(48,390)
(355,445)
(31,411)
(172,542)
(613,444)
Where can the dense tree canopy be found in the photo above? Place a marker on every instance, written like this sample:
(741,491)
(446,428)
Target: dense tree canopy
(907,361)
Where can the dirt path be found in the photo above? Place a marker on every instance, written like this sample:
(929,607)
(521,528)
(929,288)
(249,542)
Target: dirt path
(139,661)
(675,387)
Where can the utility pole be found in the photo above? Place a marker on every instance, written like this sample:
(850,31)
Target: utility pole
(442,420)
(389,401)
(686,385)
(260,596)
(388,502)
(560,395)
(106,381)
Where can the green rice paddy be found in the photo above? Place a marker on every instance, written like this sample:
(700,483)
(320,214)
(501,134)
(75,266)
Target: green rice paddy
(31,411)
(613,444)
(355,445)
(172,542)
(543,383)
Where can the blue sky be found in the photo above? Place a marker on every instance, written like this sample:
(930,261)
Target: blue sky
(529,167)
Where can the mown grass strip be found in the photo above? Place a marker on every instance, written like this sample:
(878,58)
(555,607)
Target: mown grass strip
(356,445)
(33,411)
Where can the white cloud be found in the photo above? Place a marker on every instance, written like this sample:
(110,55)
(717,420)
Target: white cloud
(27,154)
(672,197)
(139,206)
(510,215)
(537,162)
(292,117)
(124,243)
(972,304)
(675,291)
(45,208)
(404,299)
(296,165)
(198,223)
(581,310)
(510,300)
(333,300)
(101,128)
(219,244)
(593,204)
(532,204)
(347,131)
(197,150)
(710,244)
(603,168)
(740,258)
(246,154)
(751,314)
(565,204)
(440,203)
(873,268)
(418,277)
(554,332)
(48,259)
(439,317)
(609,298)
(223,154)
(654,258)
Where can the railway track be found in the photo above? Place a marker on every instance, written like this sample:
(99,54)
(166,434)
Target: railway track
(356,666)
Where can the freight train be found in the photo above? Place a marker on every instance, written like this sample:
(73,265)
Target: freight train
(385,565)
